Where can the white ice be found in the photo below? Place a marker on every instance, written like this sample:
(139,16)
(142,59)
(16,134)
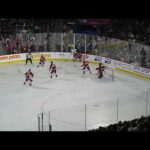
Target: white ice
(65,97)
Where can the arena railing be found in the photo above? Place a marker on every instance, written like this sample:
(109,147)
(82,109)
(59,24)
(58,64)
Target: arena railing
(116,49)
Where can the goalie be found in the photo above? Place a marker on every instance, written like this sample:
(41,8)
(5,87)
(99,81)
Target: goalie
(77,56)
(100,69)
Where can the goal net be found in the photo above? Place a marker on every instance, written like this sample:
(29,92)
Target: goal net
(109,72)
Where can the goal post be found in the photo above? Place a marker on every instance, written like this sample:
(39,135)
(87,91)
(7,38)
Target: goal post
(110,72)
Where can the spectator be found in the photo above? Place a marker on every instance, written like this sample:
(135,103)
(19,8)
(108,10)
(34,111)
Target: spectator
(141,125)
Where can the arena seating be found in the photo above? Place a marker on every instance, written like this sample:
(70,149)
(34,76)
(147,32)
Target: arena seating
(139,125)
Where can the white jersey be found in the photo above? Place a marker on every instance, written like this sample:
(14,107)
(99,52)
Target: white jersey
(28,56)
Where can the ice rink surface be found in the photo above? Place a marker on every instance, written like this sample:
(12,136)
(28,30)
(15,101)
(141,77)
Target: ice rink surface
(65,97)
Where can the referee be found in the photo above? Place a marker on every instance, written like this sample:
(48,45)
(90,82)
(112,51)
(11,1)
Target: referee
(29,58)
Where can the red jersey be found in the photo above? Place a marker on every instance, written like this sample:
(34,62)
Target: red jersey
(53,67)
(29,74)
(79,55)
(100,68)
(51,64)
(86,63)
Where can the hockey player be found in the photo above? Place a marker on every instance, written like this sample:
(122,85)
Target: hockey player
(77,56)
(83,62)
(86,66)
(52,69)
(100,70)
(42,61)
(29,75)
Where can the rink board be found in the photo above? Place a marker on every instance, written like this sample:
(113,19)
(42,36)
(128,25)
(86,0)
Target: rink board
(133,70)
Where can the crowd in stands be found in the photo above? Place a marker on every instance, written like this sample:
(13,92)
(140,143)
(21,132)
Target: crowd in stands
(132,30)
(126,29)
(14,26)
(139,125)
